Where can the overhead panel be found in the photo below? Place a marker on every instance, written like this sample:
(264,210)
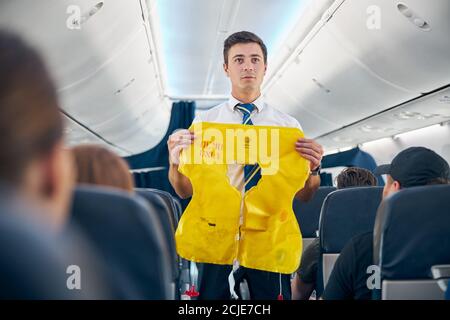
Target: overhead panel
(423,112)
(406,43)
(74,135)
(99,54)
(118,86)
(348,71)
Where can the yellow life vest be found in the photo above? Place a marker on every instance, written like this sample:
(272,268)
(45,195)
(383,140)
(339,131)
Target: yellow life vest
(210,229)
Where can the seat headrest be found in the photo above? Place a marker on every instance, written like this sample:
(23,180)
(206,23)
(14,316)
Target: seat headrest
(127,232)
(308,213)
(170,201)
(412,232)
(346,213)
(160,202)
(167,220)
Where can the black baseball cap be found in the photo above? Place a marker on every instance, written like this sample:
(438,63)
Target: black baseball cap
(415,166)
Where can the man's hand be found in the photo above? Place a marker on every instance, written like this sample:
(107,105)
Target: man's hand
(310,150)
(178,141)
(313,152)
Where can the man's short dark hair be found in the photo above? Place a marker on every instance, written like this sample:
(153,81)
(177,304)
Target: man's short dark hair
(30,120)
(355,177)
(243,37)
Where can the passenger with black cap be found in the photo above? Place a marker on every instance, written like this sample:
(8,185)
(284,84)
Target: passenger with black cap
(414,166)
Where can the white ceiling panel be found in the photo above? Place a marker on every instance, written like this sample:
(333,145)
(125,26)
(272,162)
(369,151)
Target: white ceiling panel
(386,37)
(345,71)
(312,123)
(76,135)
(193,32)
(330,68)
(423,112)
(118,85)
(100,55)
(326,81)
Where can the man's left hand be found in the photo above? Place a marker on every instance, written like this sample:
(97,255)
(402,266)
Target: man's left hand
(310,150)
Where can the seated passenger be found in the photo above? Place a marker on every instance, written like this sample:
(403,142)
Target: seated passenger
(415,166)
(39,248)
(304,282)
(97,165)
(36,177)
(33,163)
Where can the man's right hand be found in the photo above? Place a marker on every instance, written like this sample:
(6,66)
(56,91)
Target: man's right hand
(178,141)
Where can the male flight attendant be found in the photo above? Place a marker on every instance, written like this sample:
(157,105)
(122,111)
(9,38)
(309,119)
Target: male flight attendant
(245,63)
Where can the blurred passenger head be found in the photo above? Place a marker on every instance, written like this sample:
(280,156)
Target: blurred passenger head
(32,158)
(99,166)
(355,177)
(415,166)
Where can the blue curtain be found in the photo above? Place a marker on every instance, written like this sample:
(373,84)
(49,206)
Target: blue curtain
(351,158)
(181,117)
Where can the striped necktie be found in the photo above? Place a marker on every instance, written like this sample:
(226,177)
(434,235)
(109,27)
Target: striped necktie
(252,173)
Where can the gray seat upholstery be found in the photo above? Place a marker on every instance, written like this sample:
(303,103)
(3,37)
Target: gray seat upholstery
(308,213)
(171,203)
(411,236)
(345,213)
(188,272)
(165,214)
(31,262)
(126,231)
(36,263)
(441,272)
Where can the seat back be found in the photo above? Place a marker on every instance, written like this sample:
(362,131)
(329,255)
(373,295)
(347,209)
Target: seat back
(345,213)
(308,213)
(126,231)
(168,226)
(179,208)
(31,262)
(36,263)
(411,236)
(162,200)
(171,203)
(186,272)
(411,290)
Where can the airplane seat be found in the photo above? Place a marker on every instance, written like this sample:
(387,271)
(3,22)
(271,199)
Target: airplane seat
(308,213)
(187,270)
(127,233)
(190,272)
(31,262)
(345,213)
(162,200)
(179,208)
(170,202)
(411,236)
(441,273)
(167,220)
(38,264)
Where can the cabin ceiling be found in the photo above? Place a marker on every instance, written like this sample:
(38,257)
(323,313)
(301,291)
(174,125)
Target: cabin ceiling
(349,70)
(192,35)
(101,55)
